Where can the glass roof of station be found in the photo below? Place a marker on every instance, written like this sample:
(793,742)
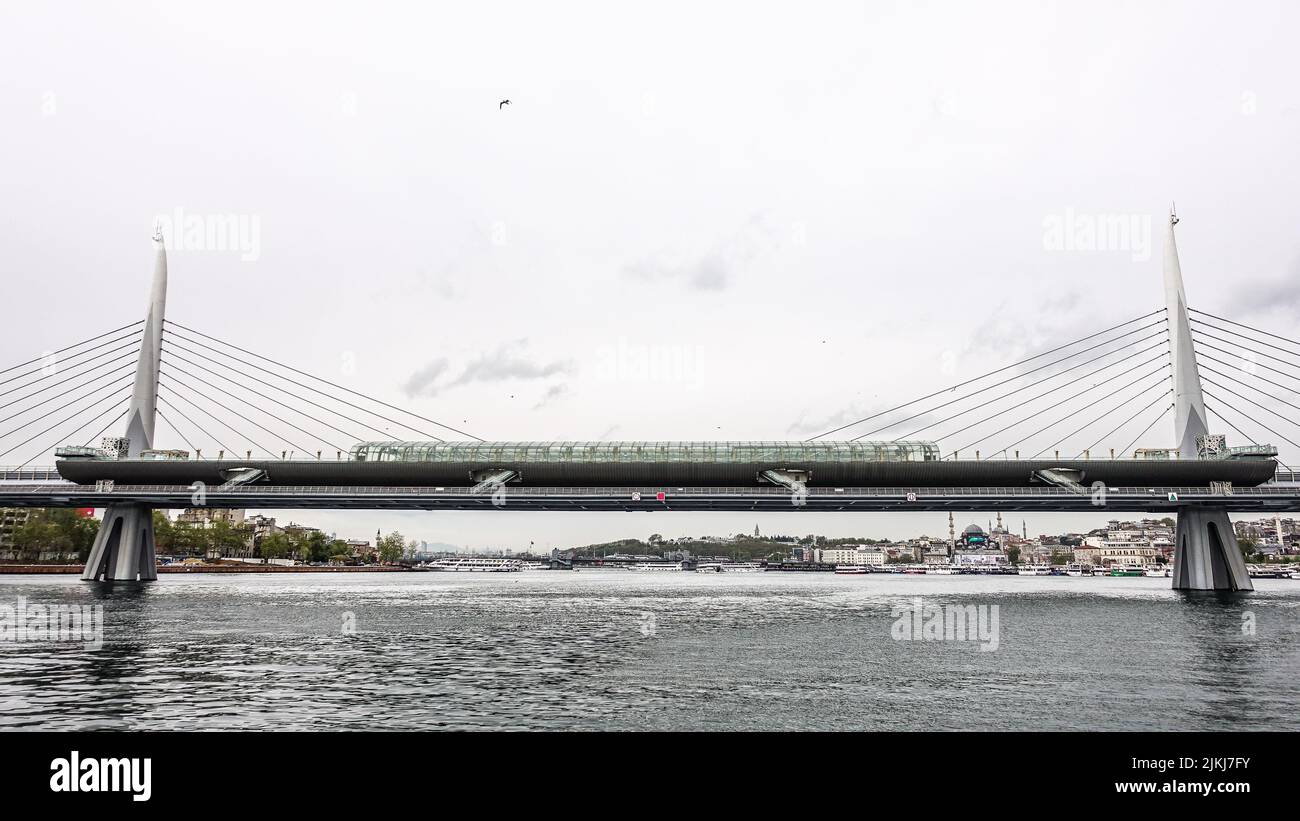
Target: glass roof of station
(591,452)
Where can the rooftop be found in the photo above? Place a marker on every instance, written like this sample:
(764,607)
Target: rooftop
(645,451)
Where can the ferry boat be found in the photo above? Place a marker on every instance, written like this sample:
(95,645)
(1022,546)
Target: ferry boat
(1077,570)
(729,567)
(1157,571)
(1127,570)
(939,570)
(1035,570)
(1260,572)
(473,564)
(659,567)
(851,570)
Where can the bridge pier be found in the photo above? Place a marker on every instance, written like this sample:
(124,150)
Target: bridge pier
(124,546)
(1206,556)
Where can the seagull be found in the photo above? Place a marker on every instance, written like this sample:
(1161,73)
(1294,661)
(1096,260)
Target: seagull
(502,104)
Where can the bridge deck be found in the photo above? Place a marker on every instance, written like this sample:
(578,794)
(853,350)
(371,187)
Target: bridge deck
(1267,498)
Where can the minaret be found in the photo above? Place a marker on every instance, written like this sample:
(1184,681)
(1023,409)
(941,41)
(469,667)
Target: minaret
(1189,404)
(952,535)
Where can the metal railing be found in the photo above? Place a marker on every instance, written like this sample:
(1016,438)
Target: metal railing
(645,494)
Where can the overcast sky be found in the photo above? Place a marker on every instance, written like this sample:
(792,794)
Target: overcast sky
(802,214)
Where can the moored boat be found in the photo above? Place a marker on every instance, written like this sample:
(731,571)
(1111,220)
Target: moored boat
(1127,570)
(473,564)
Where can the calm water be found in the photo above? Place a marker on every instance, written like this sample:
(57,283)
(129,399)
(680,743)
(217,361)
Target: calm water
(624,650)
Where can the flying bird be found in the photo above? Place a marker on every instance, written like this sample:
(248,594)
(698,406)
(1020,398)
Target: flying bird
(502,104)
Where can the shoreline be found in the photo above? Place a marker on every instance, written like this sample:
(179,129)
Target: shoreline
(47,569)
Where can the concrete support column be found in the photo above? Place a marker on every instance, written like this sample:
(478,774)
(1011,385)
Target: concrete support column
(1206,556)
(124,546)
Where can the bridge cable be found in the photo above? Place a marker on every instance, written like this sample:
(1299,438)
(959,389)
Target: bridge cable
(1016,378)
(1108,413)
(1243,413)
(276,401)
(130,345)
(1247,327)
(307,387)
(113,386)
(1252,387)
(1051,425)
(1045,393)
(224,447)
(47,373)
(110,424)
(327,382)
(42,357)
(1117,428)
(952,388)
(1162,415)
(1252,402)
(1202,355)
(1042,411)
(126,400)
(1243,336)
(68,379)
(177,431)
(59,395)
(263,410)
(173,378)
(1224,420)
(1205,344)
(1196,331)
(55,425)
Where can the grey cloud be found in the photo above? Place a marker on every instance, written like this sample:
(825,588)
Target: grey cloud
(425,377)
(552,393)
(715,269)
(709,274)
(504,364)
(1268,297)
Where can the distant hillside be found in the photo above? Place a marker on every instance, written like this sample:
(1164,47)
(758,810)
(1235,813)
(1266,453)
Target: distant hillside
(746,549)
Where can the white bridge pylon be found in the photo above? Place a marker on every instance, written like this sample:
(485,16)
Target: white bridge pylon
(124,548)
(1206,554)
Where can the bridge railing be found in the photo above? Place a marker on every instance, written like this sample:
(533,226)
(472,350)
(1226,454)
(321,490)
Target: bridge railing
(30,474)
(646,494)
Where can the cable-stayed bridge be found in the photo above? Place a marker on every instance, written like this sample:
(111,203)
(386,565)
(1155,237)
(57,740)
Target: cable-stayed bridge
(1068,428)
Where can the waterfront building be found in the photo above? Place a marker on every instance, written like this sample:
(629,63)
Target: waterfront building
(1126,552)
(207,516)
(259,528)
(1088,554)
(979,557)
(855,555)
(11,519)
